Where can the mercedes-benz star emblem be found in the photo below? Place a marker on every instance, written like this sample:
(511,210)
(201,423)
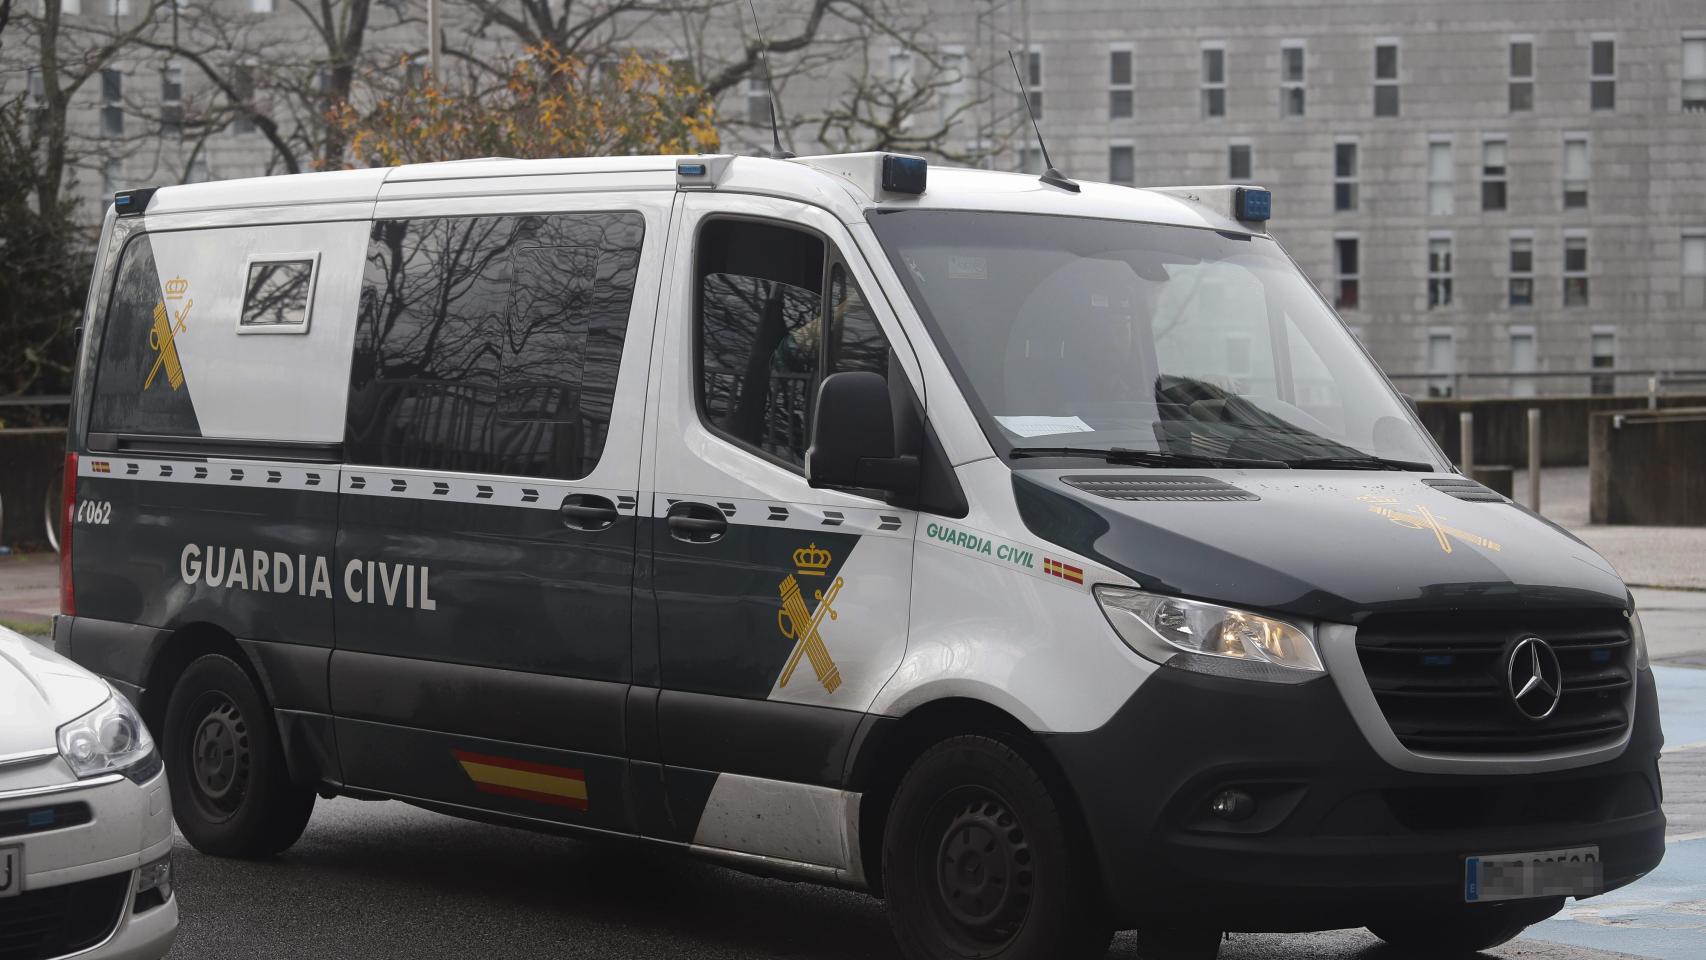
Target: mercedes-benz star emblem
(1536,680)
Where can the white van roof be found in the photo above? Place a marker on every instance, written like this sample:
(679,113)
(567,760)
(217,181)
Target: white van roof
(822,181)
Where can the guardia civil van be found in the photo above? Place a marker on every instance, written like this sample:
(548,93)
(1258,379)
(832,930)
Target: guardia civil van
(1046,558)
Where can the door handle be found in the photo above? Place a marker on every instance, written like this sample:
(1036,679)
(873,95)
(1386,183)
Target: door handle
(696,523)
(586,511)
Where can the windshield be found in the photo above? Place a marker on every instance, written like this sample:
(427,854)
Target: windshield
(1075,336)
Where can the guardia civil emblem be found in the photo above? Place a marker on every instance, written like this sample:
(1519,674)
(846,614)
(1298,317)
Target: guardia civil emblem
(163,335)
(800,624)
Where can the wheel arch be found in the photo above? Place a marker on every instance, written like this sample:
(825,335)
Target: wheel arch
(887,747)
(175,653)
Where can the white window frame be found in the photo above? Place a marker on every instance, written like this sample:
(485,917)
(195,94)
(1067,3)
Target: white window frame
(1502,177)
(1353,179)
(1693,280)
(1585,182)
(1301,84)
(1397,80)
(1129,87)
(1439,186)
(1205,85)
(1443,278)
(1339,277)
(278,329)
(1513,274)
(1514,79)
(1585,274)
(1595,78)
(1122,143)
(1695,81)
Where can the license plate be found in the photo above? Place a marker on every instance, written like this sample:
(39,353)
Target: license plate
(1574,872)
(11,871)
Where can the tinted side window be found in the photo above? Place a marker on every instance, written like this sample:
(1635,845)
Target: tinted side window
(492,344)
(140,385)
(760,312)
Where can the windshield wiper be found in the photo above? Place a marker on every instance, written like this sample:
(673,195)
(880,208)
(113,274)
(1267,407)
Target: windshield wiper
(1360,463)
(1147,458)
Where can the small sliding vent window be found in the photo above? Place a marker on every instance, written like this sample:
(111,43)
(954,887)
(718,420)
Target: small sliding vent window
(278,295)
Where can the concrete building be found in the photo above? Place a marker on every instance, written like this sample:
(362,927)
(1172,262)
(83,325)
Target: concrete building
(1480,185)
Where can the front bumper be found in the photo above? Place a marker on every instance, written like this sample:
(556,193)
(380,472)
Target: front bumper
(111,827)
(1339,837)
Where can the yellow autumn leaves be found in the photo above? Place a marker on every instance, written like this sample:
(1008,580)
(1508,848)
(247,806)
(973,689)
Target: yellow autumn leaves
(547,104)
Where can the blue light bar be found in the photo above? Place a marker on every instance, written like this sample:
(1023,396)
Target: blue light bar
(1253,204)
(690,169)
(903,174)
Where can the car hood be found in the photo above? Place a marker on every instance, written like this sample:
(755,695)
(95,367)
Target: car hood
(1326,545)
(39,691)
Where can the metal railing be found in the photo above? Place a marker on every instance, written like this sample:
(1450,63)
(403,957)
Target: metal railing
(1542,383)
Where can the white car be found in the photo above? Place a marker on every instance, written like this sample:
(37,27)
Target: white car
(85,818)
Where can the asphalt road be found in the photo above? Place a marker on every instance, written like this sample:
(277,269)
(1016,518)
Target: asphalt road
(382,880)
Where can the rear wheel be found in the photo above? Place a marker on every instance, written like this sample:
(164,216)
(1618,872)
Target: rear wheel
(978,862)
(1462,931)
(231,792)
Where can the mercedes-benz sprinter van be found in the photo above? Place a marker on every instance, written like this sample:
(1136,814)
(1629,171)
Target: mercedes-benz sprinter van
(1047,561)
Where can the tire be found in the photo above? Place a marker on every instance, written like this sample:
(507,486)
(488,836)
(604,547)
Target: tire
(231,792)
(1462,931)
(1021,887)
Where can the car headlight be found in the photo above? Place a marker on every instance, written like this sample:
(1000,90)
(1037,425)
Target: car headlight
(1640,637)
(1210,638)
(109,739)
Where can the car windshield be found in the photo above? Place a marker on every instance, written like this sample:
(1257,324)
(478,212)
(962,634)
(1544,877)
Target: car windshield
(1074,336)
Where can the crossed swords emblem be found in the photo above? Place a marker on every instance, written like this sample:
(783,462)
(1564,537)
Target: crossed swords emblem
(1425,519)
(163,340)
(801,625)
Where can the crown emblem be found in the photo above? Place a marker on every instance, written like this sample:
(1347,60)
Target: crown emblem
(812,560)
(176,288)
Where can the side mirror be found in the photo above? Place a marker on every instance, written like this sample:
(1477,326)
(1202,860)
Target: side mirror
(853,444)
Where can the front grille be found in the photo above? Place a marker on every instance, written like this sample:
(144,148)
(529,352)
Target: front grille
(1442,681)
(52,922)
(52,816)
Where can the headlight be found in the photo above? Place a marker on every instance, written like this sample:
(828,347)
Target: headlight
(1640,637)
(1210,638)
(109,739)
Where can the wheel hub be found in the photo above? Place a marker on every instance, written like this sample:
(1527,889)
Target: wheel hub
(219,755)
(984,870)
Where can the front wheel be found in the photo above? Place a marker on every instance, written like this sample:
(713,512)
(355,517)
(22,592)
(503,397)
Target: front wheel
(231,792)
(1462,931)
(978,862)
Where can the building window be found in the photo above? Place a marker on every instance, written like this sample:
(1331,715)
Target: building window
(1694,270)
(1346,262)
(1120,84)
(1602,355)
(1493,174)
(1291,79)
(1034,80)
(1442,362)
(1213,80)
(197,172)
(262,6)
(1576,171)
(1238,161)
(243,90)
(1694,73)
(955,84)
(112,178)
(1522,271)
(33,84)
(758,96)
(1030,160)
(1602,76)
(172,101)
(112,103)
(118,8)
(1345,175)
(1441,182)
(1521,74)
(70,7)
(1122,164)
(1575,270)
(1439,272)
(1524,358)
(1386,79)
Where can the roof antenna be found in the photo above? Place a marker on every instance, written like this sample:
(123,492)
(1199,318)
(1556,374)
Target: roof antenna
(778,153)
(1051,176)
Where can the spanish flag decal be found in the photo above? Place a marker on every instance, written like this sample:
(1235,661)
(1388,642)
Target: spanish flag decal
(524,780)
(1064,571)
